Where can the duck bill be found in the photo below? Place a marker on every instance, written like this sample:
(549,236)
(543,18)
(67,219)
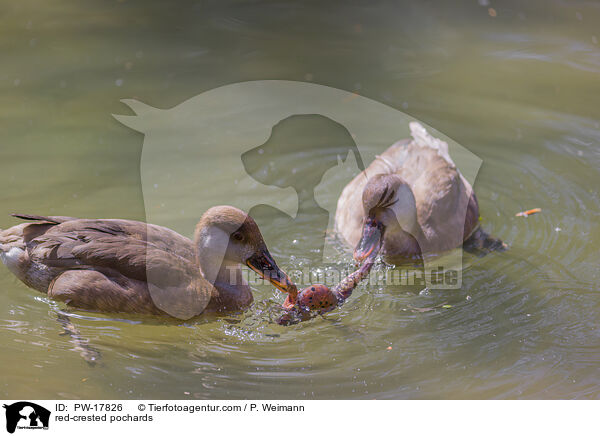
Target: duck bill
(262,263)
(370,241)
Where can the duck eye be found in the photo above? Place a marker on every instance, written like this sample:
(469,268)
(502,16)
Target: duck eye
(238,236)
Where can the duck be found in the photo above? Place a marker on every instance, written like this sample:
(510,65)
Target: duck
(124,266)
(410,202)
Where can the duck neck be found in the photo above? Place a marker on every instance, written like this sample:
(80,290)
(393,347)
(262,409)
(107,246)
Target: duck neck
(219,271)
(397,241)
(402,228)
(211,245)
(230,290)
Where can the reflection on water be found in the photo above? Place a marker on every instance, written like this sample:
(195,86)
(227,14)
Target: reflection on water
(518,87)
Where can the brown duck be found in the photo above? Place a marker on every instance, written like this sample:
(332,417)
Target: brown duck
(127,266)
(410,201)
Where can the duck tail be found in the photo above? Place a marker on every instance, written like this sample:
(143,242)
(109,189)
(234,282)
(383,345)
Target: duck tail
(3,247)
(2,240)
(43,219)
(422,138)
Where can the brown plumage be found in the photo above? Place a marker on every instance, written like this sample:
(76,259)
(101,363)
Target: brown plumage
(411,200)
(112,265)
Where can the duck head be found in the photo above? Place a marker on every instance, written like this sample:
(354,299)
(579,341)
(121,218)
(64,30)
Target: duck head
(389,206)
(227,236)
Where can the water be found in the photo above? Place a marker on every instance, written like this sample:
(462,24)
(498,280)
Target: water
(515,84)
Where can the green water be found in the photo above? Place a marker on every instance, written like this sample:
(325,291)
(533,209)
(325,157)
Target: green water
(519,89)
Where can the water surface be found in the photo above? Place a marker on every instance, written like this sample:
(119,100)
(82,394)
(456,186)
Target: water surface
(517,84)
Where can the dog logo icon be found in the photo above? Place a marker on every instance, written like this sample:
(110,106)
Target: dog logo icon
(26,415)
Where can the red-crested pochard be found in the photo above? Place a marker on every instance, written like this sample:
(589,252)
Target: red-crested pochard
(410,201)
(127,266)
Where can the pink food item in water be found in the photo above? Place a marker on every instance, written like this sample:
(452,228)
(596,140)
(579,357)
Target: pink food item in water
(320,298)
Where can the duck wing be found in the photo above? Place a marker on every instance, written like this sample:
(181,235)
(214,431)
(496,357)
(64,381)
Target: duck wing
(126,250)
(447,208)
